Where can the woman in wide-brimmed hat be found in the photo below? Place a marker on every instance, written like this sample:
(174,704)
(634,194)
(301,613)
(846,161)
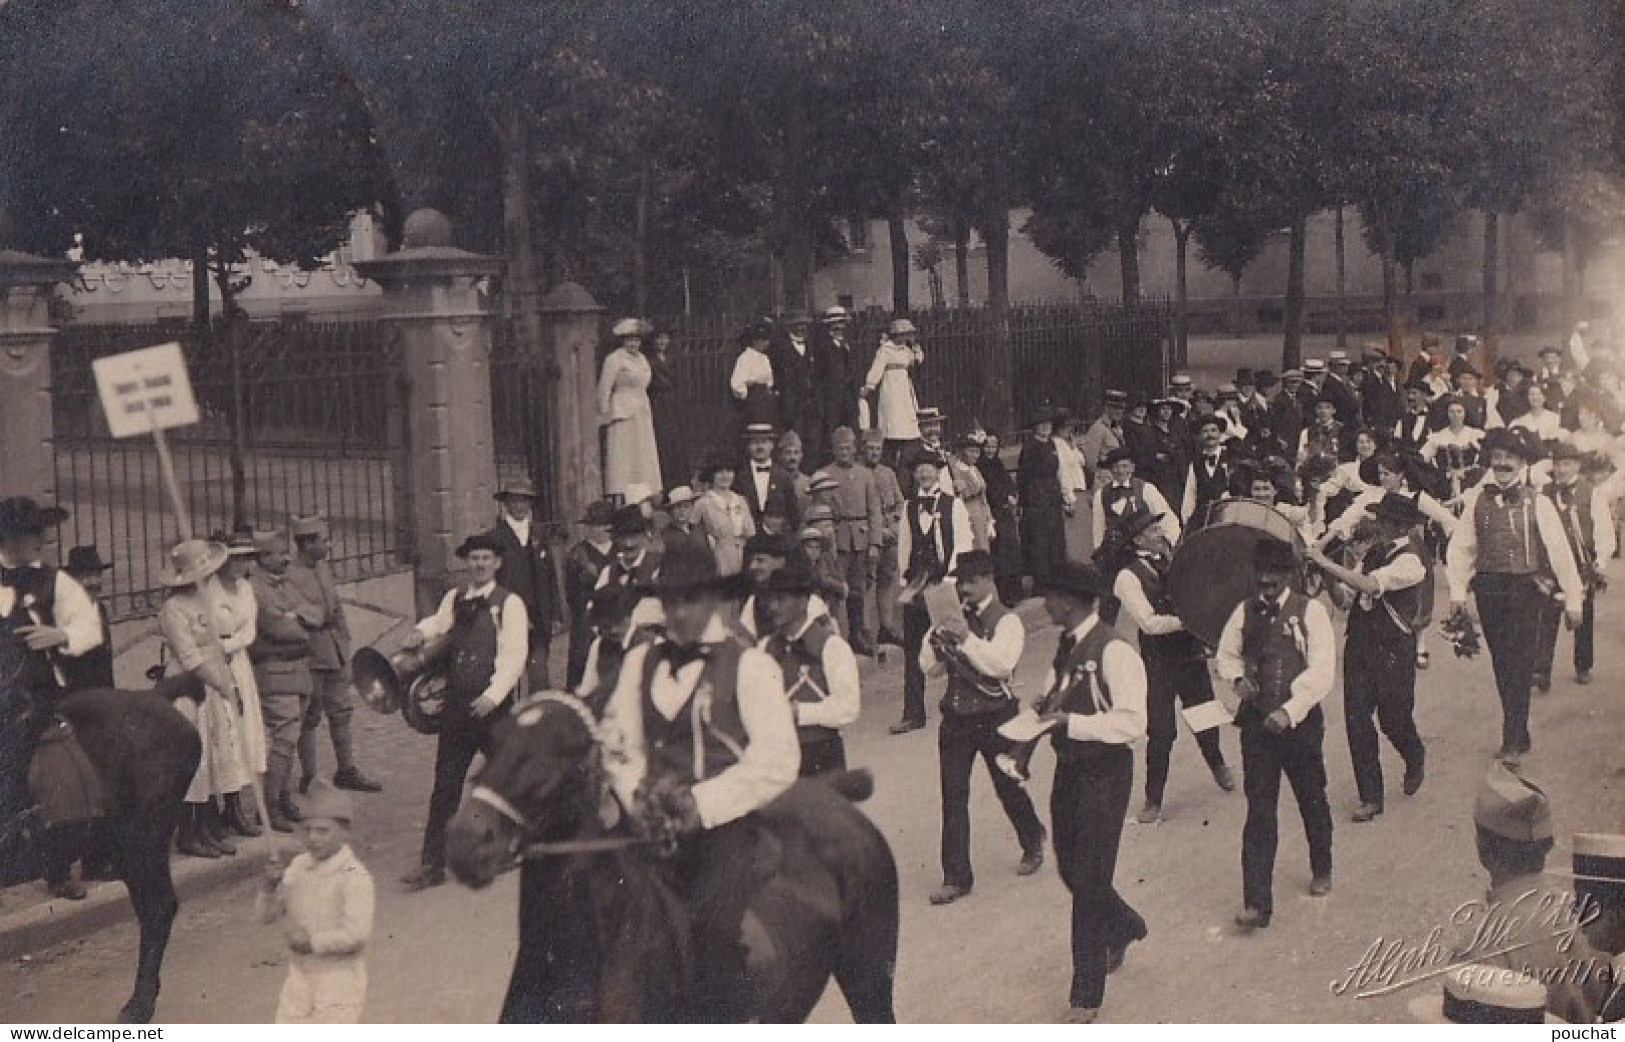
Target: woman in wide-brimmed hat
(238,611)
(190,623)
(891,382)
(631,456)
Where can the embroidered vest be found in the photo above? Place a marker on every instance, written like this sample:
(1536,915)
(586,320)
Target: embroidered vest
(1324,441)
(707,735)
(1573,504)
(970,693)
(1275,651)
(802,662)
(1115,502)
(923,558)
(1081,688)
(1210,487)
(1508,539)
(1167,647)
(474,646)
(38,672)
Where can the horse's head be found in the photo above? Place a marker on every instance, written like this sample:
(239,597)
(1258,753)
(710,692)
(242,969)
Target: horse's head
(533,786)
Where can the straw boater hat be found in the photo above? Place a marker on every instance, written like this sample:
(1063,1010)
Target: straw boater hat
(835,313)
(759,430)
(241,543)
(192,561)
(900,327)
(20,516)
(628,327)
(1479,993)
(1313,365)
(680,495)
(516,488)
(310,525)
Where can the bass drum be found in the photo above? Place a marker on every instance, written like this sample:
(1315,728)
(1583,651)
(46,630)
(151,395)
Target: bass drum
(1212,571)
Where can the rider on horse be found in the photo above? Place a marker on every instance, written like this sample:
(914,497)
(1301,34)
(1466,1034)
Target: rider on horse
(45,616)
(698,735)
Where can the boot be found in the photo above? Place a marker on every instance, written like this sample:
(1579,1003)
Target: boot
(277,769)
(348,775)
(215,832)
(188,838)
(241,817)
(307,758)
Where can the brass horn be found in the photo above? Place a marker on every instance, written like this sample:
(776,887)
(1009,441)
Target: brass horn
(412,681)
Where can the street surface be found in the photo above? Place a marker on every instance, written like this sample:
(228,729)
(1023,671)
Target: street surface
(1002,953)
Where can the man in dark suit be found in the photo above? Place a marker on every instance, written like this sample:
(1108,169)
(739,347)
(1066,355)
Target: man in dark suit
(527,571)
(769,489)
(796,376)
(1339,387)
(840,370)
(1381,400)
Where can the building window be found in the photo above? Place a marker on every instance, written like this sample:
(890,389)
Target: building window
(857,236)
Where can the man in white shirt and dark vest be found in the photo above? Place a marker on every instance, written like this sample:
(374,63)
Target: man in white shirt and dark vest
(980,663)
(1379,651)
(1175,661)
(1094,703)
(1209,478)
(820,670)
(1279,651)
(1510,540)
(47,620)
(1586,508)
(698,734)
(527,571)
(490,640)
(1125,494)
(935,531)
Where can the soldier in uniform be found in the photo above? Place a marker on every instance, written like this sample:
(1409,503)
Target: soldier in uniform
(1104,435)
(527,571)
(1379,654)
(54,621)
(490,639)
(980,663)
(1586,509)
(820,671)
(1094,705)
(583,565)
(1279,651)
(1175,663)
(936,530)
(331,696)
(882,627)
(1508,535)
(860,531)
(281,657)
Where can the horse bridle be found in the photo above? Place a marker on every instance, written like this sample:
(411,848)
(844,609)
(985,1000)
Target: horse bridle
(519,848)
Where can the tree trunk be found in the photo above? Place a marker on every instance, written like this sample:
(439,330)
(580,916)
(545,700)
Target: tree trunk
(998,365)
(237,421)
(1342,286)
(1128,256)
(200,293)
(524,292)
(1390,282)
(962,260)
(1235,307)
(640,242)
(1292,318)
(1182,240)
(899,261)
(1492,250)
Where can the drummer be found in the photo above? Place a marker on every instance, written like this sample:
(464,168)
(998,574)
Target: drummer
(1125,494)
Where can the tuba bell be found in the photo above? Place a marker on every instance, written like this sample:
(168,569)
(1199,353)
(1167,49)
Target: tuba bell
(413,682)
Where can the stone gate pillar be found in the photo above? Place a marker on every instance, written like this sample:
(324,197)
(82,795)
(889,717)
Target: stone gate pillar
(27,464)
(434,306)
(572,322)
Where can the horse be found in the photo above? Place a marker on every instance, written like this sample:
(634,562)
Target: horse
(604,938)
(145,754)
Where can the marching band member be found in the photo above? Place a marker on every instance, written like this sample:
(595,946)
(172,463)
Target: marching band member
(1586,509)
(820,670)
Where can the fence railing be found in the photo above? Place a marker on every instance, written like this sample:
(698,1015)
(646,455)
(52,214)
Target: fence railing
(322,420)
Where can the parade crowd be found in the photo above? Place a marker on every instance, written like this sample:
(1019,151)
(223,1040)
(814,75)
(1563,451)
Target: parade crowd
(715,625)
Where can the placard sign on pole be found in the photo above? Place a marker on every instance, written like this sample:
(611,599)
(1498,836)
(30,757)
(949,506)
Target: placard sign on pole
(147,392)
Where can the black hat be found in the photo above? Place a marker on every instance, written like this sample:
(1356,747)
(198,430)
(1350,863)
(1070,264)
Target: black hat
(1397,508)
(1516,440)
(479,542)
(610,604)
(1131,525)
(796,579)
(761,329)
(628,520)
(1326,399)
(1245,375)
(20,515)
(599,513)
(1116,456)
(1214,420)
(1273,555)
(1265,379)
(765,544)
(1116,397)
(690,567)
(86,559)
(1471,371)
(974,564)
(1560,449)
(1073,579)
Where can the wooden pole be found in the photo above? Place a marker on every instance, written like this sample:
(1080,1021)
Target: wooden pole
(166,470)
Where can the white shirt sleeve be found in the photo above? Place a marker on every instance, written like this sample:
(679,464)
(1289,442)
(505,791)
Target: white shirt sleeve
(348,935)
(844,701)
(621,730)
(1462,554)
(1097,515)
(772,755)
(1312,686)
(1401,573)
(1131,592)
(1157,504)
(964,538)
(1602,527)
(1187,503)
(998,655)
(513,648)
(590,680)
(1558,552)
(439,624)
(1125,722)
(1228,660)
(76,616)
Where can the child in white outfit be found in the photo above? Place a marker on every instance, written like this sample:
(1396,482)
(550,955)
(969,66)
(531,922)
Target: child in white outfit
(327,895)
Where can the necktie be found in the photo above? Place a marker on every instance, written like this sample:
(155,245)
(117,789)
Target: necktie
(1268,609)
(1063,651)
(19,577)
(1504,496)
(764,468)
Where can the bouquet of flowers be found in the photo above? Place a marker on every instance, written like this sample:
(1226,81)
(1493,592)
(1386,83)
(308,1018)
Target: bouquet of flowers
(1461,633)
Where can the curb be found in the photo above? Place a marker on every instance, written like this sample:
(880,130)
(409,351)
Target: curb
(30,929)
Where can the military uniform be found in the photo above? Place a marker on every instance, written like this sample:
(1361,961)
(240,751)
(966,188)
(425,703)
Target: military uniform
(890,494)
(281,657)
(859,535)
(331,695)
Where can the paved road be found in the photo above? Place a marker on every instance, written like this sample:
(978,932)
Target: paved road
(1001,954)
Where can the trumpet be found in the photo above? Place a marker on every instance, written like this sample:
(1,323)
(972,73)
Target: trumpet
(952,654)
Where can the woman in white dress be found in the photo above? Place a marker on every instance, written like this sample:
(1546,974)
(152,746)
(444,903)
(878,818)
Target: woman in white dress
(1454,450)
(896,407)
(971,488)
(238,610)
(631,456)
(724,516)
(190,623)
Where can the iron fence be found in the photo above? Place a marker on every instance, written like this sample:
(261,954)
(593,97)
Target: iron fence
(322,418)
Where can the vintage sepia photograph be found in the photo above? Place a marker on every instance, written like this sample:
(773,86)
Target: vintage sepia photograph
(812,511)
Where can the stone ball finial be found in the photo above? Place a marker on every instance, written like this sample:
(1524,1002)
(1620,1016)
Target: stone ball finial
(426,228)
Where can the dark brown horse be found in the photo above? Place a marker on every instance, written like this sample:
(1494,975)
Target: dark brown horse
(145,753)
(602,935)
